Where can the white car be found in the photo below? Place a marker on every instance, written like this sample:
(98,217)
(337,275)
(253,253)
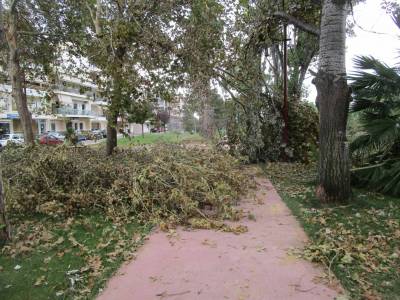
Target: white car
(57,135)
(16,138)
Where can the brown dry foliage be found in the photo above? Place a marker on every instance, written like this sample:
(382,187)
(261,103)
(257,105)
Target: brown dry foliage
(165,182)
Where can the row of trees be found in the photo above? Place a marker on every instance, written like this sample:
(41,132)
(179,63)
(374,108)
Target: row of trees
(137,48)
(251,70)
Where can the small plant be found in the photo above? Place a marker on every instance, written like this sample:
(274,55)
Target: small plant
(71,136)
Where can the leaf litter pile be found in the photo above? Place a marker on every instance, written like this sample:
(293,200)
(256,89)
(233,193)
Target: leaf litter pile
(77,214)
(359,242)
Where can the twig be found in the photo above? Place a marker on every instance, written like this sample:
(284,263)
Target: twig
(330,266)
(165,294)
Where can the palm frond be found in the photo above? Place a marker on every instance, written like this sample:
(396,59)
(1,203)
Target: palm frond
(360,104)
(396,17)
(376,94)
(375,78)
(361,142)
(384,177)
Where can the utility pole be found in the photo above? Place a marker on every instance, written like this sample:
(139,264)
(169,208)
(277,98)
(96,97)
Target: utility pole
(285,110)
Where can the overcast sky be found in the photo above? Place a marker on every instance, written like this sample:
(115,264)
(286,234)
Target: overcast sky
(385,46)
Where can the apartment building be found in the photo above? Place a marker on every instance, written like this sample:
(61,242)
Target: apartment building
(75,103)
(72,102)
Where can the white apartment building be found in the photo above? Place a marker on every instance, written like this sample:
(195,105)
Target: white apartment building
(75,103)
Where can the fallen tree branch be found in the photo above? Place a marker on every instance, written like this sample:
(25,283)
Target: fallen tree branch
(298,23)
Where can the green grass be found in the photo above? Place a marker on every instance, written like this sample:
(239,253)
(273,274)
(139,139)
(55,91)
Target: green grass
(152,138)
(65,259)
(358,242)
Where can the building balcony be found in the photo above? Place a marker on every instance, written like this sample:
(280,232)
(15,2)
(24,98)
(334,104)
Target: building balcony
(70,112)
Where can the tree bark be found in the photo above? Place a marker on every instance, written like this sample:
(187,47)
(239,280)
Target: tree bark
(112,122)
(333,102)
(16,77)
(5,232)
(207,119)
(142,130)
(202,90)
(116,101)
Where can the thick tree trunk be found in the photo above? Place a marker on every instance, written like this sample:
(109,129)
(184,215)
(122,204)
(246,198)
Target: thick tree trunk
(334,162)
(16,77)
(333,102)
(5,232)
(112,121)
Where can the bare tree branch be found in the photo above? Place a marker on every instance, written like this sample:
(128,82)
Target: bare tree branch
(37,33)
(95,16)
(13,5)
(234,98)
(298,23)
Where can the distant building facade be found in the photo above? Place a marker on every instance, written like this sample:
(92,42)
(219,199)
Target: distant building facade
(72,103)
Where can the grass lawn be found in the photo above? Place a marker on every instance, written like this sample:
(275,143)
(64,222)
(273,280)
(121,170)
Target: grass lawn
(152,138)
(65,259)
(359,242)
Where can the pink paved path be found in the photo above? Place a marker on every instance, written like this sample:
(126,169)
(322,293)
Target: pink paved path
(210,265)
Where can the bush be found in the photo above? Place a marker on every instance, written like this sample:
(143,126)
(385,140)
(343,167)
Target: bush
(163,182)
(257,133)
(303,131)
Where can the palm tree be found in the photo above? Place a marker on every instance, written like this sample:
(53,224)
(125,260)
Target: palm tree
(376,92)
(333,104)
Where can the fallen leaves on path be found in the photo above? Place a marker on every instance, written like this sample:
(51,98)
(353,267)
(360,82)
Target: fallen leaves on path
(359,242)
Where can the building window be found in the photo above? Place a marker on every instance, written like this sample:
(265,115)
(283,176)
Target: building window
(76,126)
(80,126)
(4,128)
(75,106)
(42,126)
(83,106)
(53,126)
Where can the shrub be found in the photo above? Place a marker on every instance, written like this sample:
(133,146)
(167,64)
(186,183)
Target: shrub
(257,133)
(303,131)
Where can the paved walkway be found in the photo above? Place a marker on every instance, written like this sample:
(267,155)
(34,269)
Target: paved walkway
(210,265)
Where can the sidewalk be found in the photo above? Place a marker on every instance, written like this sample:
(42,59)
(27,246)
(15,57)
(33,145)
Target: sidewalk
(210,265)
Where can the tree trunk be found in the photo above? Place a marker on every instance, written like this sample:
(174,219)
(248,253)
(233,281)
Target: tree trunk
(5,232)
(207,119)
(207,125)
(112,121)
(142,130)
(333,102)
(15,73)
(116,101)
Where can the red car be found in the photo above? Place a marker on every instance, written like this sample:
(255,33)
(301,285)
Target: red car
(50,139)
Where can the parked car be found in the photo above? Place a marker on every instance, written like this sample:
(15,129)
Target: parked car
(11,138)
(50,138)
(98,134)
(81,137)
(155,129)
(58,135)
